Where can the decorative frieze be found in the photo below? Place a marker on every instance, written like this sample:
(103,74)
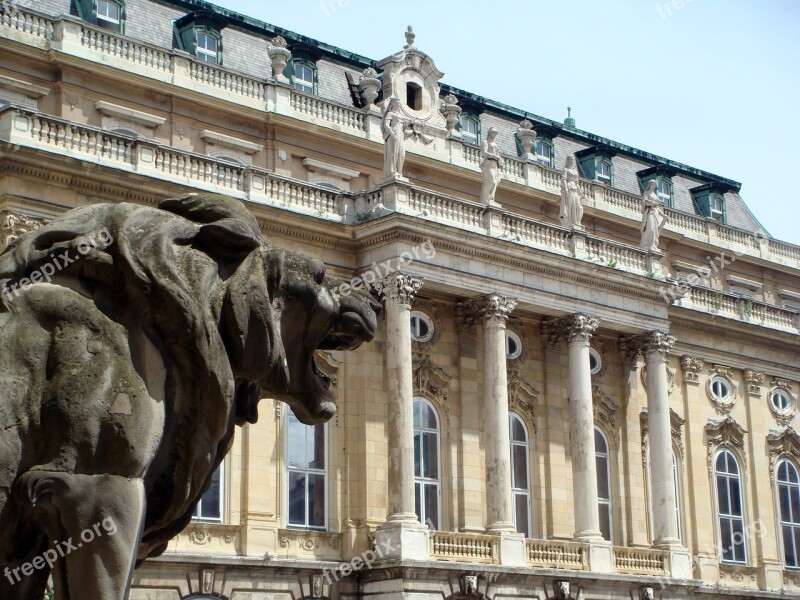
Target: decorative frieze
(754,380)
(725,433)
(13,225)
(522,398)
(692,366)
(431,381)
(605,412)
(782,444)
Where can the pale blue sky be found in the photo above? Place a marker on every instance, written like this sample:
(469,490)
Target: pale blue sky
(714,84)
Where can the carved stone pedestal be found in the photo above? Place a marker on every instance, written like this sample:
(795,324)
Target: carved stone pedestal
(402,540)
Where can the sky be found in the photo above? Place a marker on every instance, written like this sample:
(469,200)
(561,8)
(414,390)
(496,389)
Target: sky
(714,84)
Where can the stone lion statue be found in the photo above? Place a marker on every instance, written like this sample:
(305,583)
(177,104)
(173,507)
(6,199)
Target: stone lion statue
(133,339)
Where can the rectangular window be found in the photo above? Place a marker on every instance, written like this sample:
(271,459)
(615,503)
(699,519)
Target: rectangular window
(306,457)
(544,153)
(209,509)
(207,47)
(109,15)
(303,78)
(717,207)
(603,173)
(469,131)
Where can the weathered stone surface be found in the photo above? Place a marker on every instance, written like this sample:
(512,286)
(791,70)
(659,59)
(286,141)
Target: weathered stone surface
(133,340)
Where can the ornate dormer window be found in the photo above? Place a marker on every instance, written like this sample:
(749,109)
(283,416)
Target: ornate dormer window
(663,176)
(108,14)
(709,201)
(199,34)
(411,77)
(596,163)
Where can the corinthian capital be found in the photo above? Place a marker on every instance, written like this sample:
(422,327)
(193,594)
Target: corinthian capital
(492,309)
(577,327)
(651,344)
(397,288)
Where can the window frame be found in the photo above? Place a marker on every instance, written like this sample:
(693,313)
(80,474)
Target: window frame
(598,368)
(667,198)
(421,316)
(313,70)
(421,482)
(607,502)
(788,409)
(730,516)
(475,120)
(548,143)
(521,491)
(111,25)
(603,160)
(288,469)
(513,336)
(196,516)
(721,212)
(793,525)
(210,34)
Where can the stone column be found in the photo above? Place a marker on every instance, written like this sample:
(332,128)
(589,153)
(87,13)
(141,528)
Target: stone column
(578,330)
(402,530)
(655,345)
(492,312)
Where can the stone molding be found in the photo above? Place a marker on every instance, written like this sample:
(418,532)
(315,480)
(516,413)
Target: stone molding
(13,225)
(605,413)
(676,430)
(522,399)
(725,433)
(397,288)
(691,366)
(431,381)
(782,444)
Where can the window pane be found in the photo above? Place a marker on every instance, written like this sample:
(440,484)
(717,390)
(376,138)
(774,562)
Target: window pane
(517,430)
(417,454)
(784,500)
(431,454)
(738,540)
(796,546)
(789,555)
(603,490)
(794,495)
(736,497)
(600,442)
(417,505)
(605,521)
(316,446)
(726,539)
(520,466)
(521,517)
(297,498)
(432,504)
(316,500)
(722,496)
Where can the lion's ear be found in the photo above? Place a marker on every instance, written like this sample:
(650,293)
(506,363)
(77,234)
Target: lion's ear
(228,239)
(275,261)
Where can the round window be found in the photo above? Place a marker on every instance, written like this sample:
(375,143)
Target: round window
(780,400)
(421,327)
(595,361)
(721,390)
(513,345)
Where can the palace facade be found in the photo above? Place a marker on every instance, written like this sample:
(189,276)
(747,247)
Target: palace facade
(547,411)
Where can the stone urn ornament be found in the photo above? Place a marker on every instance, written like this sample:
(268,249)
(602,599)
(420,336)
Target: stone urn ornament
(370,85)
(279,54)
(526,135)
(451,111)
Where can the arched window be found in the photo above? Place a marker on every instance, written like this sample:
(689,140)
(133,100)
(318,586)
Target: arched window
(426,463)
(544,151)
(304,76)
(470,129)
(603,462)
(730,508)
(520,474)
(789,506)
(306,465)
(664,190)
(209,509)
(207,46)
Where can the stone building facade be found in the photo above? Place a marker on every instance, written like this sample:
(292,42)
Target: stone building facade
(545,413)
